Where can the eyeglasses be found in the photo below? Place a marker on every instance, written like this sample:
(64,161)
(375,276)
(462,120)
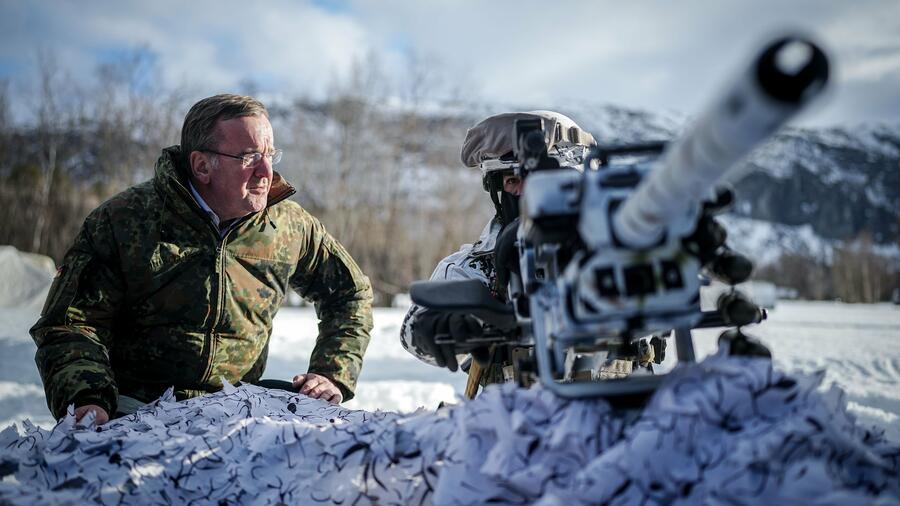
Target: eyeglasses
(251,159)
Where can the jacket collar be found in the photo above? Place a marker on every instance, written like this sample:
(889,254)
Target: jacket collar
(488,238)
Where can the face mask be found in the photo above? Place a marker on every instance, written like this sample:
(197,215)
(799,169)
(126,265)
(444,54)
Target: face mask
(509,207)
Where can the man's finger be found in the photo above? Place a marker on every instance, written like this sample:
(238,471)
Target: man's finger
(439,328)
(449,355)
(336,398)
(320,389)
(310,381)
(473,326)
(309,385)
(462,327)
(100,414)
(298,380)
(434,350)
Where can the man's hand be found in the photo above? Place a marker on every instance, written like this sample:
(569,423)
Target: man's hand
(100,417)
(456,326)
(318,387)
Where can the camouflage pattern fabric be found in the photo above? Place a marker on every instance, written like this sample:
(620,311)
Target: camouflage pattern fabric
(472,261)
(151,296)
(728,431)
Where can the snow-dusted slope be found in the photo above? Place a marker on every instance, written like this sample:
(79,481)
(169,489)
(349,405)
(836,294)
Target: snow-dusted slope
(726,431)
(828,184)
(764,242)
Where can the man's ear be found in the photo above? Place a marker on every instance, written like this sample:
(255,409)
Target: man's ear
(200,167)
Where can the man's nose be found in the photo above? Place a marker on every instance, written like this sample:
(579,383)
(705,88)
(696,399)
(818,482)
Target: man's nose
(263,169)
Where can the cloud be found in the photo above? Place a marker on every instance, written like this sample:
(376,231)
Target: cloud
(204,44)
(650,55)
(640,54)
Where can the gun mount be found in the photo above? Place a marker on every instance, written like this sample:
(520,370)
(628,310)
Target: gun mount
(616,252)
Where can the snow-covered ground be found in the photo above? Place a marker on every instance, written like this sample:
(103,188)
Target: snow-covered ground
(858,347)
(391,379)
(715,432)
(725,431)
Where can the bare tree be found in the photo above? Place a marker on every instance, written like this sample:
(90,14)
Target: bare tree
(383,175)
(81,143)
(132,117)
(5,114)
(381,172)
(809,276)
(52,122)
(859,273)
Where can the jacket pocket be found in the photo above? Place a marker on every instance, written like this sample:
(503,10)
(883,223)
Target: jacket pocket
(65,285)
(167,256)
(171,286)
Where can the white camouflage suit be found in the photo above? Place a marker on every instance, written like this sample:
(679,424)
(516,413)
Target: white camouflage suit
(485,144)
(472,261)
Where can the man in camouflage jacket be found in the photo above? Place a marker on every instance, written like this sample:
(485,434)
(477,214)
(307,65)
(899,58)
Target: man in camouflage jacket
(176,281)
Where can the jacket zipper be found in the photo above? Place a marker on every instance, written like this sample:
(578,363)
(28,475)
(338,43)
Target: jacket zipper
(210,341)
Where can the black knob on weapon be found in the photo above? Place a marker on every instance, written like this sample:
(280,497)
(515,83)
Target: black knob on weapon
(737,309)
(722,202)
(706,240)
(740,344)
(731,267)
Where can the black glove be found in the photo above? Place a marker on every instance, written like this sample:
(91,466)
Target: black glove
(506,256)
(454,328)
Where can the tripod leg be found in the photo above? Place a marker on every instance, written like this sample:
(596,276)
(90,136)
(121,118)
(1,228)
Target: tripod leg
(475,373)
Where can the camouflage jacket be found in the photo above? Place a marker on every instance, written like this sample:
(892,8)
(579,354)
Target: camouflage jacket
(151,296)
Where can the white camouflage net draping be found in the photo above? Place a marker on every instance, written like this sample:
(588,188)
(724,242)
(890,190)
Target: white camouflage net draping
(725,431)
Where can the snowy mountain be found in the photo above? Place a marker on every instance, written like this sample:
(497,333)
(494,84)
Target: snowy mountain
(803,190)
(838,181)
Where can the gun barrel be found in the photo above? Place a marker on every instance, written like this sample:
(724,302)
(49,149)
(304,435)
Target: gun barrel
(788,73)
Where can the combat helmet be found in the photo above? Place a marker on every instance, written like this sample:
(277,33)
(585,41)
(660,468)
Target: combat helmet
(489,146)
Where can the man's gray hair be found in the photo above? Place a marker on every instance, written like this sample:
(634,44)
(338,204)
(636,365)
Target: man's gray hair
(199,129)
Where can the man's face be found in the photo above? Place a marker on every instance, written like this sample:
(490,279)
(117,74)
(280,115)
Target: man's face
(233,190)
(512,184)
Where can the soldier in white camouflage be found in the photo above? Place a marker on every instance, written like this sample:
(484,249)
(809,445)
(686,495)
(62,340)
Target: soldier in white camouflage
(489,147)
(175,282)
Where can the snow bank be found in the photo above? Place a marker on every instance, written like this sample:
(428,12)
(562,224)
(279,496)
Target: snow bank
(729,431)
(26,279)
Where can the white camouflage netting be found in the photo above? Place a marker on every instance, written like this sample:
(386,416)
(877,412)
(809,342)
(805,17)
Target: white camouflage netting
(727,431)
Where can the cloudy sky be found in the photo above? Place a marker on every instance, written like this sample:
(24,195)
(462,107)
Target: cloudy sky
(641,54)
